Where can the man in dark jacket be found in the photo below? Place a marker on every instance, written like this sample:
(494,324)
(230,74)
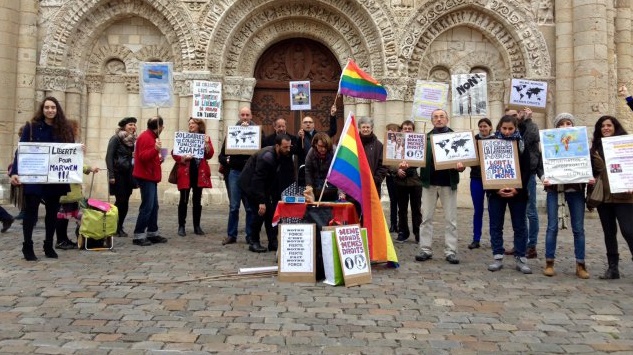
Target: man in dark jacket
(307,132)
(258,181)
(287,162)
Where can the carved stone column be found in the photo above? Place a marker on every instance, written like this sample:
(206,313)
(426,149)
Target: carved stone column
(27,62)
(624,54)
(394,106)
(52,82)
(133,98)
(496,94)
(94,84)
(564,56)
(231,99)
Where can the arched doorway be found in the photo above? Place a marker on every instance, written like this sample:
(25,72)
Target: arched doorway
(291,60)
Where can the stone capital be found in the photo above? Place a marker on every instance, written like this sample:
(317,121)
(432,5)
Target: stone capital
(396,88)
(94,83)
(51,79)
(132,84)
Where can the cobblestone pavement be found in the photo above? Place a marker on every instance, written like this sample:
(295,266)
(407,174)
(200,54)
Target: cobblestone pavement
(164,299)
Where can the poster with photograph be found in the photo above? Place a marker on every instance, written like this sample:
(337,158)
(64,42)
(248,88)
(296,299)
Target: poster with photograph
(297,252)
(499,164)
(528,93)
(50,163)
(429,96)
(353,254)
(401,146)
(618,156)
(243,139)
(207,99)
(186,143)
(452,148)
(300,95)
(156,84)
(470,94)
(565,154)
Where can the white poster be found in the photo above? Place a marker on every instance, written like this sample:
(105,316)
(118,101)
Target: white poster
(156,84)
(296,248)
(300,95)
(207,99)
(618,156)
(452,148)
(528,93)
(50,163)
(401,146)
(243,139)
(186,143)
(429,96)
(470,94)
(565,154)
(352,251)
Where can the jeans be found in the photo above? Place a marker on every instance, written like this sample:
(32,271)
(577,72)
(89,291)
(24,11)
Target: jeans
(532,214)
(622,213)
(576,203)
(148,211)
(496,214)
(234,207)
(448,198)
(477,194)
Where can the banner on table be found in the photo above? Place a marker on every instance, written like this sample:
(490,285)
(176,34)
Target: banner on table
(499,164)
(186,143)
(452,148)
(243,139)
(156,84)
(429,96)
(50,163)
(401,146)
(618,157)
(565,153)
(528,93)
(470,94)
(297,252)
(300,95)
(207,99)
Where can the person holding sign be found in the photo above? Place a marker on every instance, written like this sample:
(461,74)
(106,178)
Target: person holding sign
(307,132)
(440,184)
(194,174)
(476,186)
(616,209)
(408,191)
(575,197)
(48,126)
(516,199)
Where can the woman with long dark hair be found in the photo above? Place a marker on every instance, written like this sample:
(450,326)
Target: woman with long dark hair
(49,125)
(617,208)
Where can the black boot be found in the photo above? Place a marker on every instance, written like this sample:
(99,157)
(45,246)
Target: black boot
(255,247)
(49,251)
(197,230)
(612,273)
(181,231)
(27,250)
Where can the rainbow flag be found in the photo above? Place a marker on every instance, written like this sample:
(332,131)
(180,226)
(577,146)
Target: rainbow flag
(356,83)
(350,172)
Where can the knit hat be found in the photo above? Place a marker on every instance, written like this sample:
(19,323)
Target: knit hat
(127,120)
(564,116)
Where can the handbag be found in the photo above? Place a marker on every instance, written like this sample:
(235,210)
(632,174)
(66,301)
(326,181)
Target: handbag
(173,175)
(596,196)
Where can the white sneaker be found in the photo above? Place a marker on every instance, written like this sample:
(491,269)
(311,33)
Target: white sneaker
(522,265)
(497,264)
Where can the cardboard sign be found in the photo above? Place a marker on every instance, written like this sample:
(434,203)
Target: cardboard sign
(470,94)
(428,97)
(528,93)
(297,252)
(186,143)
(401,146)
(243,139)
(156,84)
(452,148)
(300,95)
(331,258)
(565,153)
(499,164)
(618,157)
(353,255)
(50,163)
(207,99)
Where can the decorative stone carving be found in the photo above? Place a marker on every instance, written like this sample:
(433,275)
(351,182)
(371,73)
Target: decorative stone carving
(94,83)
(248,87)
(51,79)
(496,91)
(101,57)
(132,83)
(115,66)
(75,82)
(154,53)
(184,81)
(396,88)
(232,87)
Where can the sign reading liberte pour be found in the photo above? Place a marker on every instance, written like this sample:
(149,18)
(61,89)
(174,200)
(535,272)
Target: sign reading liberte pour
(297,252)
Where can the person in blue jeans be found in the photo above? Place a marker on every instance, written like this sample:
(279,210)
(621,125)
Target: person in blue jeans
(476,187)
(575,197)
(514,198)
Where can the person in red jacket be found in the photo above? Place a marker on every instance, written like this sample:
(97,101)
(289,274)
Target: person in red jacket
(194,174)
(147,161)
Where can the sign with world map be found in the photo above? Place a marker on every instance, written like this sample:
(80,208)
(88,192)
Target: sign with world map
(565,154)
(452,148)
(528,93)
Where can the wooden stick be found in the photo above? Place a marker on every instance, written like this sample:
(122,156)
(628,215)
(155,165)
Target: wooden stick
(322,190)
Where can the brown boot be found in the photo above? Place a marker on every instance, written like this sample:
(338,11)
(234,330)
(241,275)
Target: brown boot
(531,253)
(581,271)
(549,268)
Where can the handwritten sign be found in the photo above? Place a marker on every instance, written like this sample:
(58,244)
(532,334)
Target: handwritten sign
(618,156)
(353,255)
(50,163)
(156,84)
(499,164)
(297,252)
(300,95)
(565,153)
(186,143)
(429,96)
(243,139)
(470,94)
(404,146)
(452,148)
(528,93)
(207,99)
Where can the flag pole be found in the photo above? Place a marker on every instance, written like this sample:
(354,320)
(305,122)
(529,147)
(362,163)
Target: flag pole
(322,190)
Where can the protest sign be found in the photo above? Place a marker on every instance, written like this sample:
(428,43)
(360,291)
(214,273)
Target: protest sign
(50,163)
(243,139)
(499,164)
(452,148)
(528,93)
(155,84)
(618,157)
(300,95)
(186,143)
(297,252)
(470,94)
(331,259)
(428,96)
(565,153)
(401,146)
(353,254)
(207,99)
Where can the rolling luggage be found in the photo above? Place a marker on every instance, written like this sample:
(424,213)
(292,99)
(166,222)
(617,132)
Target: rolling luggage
(98,224)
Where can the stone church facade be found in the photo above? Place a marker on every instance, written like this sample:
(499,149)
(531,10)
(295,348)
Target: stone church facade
(87,54)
